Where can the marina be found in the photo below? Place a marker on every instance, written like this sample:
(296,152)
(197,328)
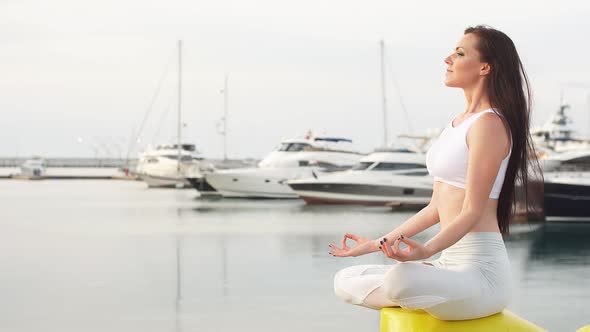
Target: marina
(115,255)
(261,166)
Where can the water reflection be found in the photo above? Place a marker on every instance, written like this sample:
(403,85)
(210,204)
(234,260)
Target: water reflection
(550,271)
(280,268)
(561,244)
(167,262)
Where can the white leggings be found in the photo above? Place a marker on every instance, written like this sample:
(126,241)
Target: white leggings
(471,279)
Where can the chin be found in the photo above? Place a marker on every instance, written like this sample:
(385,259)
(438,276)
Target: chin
(450,84)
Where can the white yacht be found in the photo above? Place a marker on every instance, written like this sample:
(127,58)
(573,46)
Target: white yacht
(577,159)
(558,144)
(383,177)
(34,167)
(170,166)
(293,159)
(558,133)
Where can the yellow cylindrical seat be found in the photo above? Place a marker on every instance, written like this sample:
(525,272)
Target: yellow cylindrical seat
(584,329)
(402,320)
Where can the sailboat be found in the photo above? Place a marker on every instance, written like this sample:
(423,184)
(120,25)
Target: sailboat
(172,165)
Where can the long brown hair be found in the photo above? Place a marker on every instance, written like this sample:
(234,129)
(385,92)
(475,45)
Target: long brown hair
(510,95)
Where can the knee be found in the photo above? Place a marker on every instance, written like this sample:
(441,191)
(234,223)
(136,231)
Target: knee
(343,276)
(346,283)
(345,296)
(339,285)
(340,276)
(396,284)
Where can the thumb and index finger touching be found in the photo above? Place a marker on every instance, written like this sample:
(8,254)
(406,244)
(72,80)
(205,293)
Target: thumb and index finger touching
(351,236)
(409,242)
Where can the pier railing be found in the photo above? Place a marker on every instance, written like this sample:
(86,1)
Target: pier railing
(71,162)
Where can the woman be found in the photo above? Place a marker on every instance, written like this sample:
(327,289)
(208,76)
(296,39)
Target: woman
(476,162)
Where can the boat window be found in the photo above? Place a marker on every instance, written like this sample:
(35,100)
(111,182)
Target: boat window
(417,173)
(152,160)
(293,147)
(175,157)
(395,166)
(362,166)
(188,147)
(579,161)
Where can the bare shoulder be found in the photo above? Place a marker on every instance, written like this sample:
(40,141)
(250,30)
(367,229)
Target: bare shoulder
(490,122)
(490,130)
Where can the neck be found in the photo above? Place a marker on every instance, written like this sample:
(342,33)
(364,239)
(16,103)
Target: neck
(477,98)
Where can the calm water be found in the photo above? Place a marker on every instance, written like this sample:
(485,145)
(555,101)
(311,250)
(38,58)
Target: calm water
(115,256)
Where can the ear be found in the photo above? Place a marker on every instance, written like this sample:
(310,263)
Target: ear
(485,69)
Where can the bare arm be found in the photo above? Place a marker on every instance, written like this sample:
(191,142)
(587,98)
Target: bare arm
(422,220)
(486,151)
(425,218)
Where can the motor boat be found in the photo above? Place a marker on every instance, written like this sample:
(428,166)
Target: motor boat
(567,194)
(293,159)
(169,166)
(558,134)
(558,144)
(576,159)
(34,167)
(381,178)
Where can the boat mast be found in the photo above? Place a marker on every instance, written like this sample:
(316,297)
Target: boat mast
(383,96)
(179,124)
(225,106)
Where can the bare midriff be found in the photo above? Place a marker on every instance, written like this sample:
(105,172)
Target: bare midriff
(450,202)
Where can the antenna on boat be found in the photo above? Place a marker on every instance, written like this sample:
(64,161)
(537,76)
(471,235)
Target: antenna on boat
(225,106)
(179,124)
(222,123)
(383,95)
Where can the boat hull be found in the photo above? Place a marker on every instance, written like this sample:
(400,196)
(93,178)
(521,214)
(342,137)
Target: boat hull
(567,200)
(155,181)
(256,182)
(360,194)
(203,187)
(32,171)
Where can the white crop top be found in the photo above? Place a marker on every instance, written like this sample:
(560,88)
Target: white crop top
(446,159)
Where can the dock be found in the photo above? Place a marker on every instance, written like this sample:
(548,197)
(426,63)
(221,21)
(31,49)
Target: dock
(69,177)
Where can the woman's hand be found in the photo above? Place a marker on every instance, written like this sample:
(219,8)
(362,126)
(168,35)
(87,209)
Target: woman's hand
(414,251)
(347,251)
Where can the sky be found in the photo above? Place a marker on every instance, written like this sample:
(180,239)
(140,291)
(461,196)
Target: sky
(77,77)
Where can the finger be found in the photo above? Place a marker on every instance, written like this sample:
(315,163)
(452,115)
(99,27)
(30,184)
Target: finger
(389,253)
(411,243)
(396,248)
(386,248)
(403,253)
(382,246)
(351,236)
(333,246)
(338,254)
(344,243)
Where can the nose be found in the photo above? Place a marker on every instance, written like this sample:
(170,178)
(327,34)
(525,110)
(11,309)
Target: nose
(448,60)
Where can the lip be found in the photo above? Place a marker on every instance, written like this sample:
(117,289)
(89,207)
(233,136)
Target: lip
(449,71)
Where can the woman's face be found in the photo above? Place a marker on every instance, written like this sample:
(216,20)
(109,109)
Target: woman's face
(464,68)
